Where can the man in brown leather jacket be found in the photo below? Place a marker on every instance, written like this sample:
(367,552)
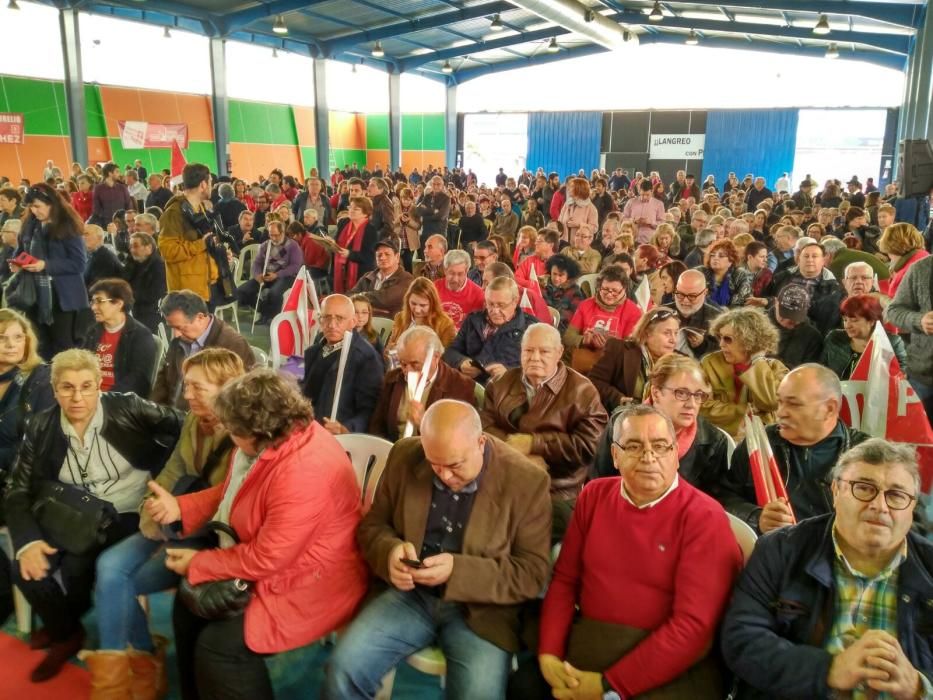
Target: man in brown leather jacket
(549,412)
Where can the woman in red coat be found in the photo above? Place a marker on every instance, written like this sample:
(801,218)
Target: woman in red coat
(292,497)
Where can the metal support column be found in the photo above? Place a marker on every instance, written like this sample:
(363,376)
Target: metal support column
(395,120)
(74,85)
(220,106)
(924,86)
(450,125)
(321,120)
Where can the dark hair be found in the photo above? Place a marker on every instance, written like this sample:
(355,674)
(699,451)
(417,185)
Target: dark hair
(862,306)
(487,245)
(116,289)
(354,181)
(193,175)
(613,273)
(549,235)
(147,240)
(674,269)
(754,248)
(568,266)
(646,185)
(296,228)
(186,301)
(109,168)
(63,219)
(11,193)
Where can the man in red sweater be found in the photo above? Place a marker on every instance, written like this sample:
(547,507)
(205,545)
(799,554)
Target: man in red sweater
(459,295)
(649,601)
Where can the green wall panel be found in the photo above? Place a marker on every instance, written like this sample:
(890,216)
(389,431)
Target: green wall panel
(309,160)
(346,156)
(412,132)
(434,132)
(156,159)
(94,111)
(41,101)
(377,132)
(257,122)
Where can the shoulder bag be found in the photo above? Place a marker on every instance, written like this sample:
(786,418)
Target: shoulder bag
(217,600)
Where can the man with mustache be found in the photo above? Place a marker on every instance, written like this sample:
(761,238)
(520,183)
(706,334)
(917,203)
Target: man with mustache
(806,440)
(838,606)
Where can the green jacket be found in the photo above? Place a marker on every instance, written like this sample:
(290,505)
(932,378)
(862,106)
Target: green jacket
(837,353)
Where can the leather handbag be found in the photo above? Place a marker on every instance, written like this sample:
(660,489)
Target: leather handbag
(217,600)
(71,518)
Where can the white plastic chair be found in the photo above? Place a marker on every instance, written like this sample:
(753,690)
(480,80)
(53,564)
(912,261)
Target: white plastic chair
(260,355)
(20,604)
(245,263)
(161,351)
(730,445)
(232,307)
(590,282)
(368,454)
(383,328)
(744,535)
(555,316)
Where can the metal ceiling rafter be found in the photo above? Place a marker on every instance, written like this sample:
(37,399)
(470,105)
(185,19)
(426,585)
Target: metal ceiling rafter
(241,19)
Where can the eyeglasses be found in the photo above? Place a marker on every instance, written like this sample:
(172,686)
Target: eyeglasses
(86,390)
(637,449)
(683,395)
(866,492)
(611,291)
(727,339)
(331,319)
(97,301)
(682,296)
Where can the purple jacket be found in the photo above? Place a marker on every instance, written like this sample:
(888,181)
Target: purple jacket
(285,261)
(108,200)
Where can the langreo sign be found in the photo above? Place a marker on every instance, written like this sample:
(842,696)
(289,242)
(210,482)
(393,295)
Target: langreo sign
(676,146)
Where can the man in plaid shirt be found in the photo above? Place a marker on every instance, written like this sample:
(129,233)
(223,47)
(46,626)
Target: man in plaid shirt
(841,605)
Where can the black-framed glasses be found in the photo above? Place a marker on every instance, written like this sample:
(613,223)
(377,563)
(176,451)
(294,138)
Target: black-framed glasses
(637,449)
(683,395)
(866,492)
(682,296)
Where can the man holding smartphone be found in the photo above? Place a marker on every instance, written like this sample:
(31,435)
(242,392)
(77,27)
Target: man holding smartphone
(460,530)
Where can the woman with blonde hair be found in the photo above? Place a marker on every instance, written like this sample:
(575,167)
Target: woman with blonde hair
(666,240)
(904,245)
(524,244)
(578,209)
(421,306)
(740,374)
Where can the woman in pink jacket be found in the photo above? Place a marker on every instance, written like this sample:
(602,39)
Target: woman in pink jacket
(292,498)
(578,209)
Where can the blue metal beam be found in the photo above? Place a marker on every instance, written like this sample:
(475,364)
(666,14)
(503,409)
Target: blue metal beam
(417,24)
(903,14)
(220,106)
(235,21)
(415,61)
(395,122)
(186,17)
(321,121)
(74,85)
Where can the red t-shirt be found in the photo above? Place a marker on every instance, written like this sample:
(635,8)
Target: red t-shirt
(458,305)
(618,323)
(106,351)
(532,265)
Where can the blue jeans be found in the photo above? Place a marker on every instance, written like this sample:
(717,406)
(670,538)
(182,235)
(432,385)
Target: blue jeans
(399,623)
(135,566)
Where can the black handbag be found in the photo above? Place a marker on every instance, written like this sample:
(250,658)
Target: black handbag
(217,600)
(71,518)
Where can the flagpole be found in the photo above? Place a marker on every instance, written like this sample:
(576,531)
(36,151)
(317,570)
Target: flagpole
(341,368)
(265,266)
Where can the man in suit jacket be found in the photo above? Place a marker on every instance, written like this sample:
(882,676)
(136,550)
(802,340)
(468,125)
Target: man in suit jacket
(362,377)
(474,519)
(395,407)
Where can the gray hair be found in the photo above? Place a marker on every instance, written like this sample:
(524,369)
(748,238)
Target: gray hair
(858,264)
(440,238)
(421,334)
(825,377)
(877,451)
(226,191)
(547,329)
(832,245)
(751,326)
(803,242)
(705,237)
(638,410)
(148,219)
(457,257)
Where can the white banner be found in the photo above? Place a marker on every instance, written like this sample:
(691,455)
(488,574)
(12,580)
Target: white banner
(677,146)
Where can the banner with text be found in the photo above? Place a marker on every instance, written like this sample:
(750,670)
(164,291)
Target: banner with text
(677,146)
(11,128)
(148,135)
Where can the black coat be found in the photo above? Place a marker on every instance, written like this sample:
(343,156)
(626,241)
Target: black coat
(143,433)
(102,264)
(798,345)
(826,294)
(134,362)
(27,394)
(147,279)
(503,347)
(229,212)
(159,198)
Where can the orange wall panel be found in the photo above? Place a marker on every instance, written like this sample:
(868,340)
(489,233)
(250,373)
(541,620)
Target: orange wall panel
(421,159)
(374,158)
(28,161)
(304,125)
(347,130)
(98,150)
(122,104)
(249,160)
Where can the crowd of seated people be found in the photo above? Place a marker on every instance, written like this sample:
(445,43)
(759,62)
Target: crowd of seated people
(587,352)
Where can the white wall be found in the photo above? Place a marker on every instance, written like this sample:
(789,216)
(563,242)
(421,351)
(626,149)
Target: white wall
(253,73)
(363,90)
(30,43)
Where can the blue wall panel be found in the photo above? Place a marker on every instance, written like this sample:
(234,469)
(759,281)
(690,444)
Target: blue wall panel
(758,141)
(564,142)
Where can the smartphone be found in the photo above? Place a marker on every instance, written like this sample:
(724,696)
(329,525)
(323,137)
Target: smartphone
(413,563)
(24,259)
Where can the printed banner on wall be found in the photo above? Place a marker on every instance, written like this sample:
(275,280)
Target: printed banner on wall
(11,128)
(677,146)
(149,135)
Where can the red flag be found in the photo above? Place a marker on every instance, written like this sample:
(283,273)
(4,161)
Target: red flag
(178,163)
(769,485)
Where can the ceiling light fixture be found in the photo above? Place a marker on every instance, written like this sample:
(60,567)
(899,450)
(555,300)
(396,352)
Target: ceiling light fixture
(692,38)
(553,46)
(12,5)
(447,68)
(377,50)
(279,26)
(822,26)
(832,51)
(656,14)
(496,24)
(166,34)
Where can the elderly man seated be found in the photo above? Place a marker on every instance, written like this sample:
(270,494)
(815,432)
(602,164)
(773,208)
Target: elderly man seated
(642,580)
(806,441)
(839,605)
(489,341)
(385,286)
(811,272)
(696,314)
(396,407)
(362,375)
(550,413)
(459,530)
(432,267)
(460,296)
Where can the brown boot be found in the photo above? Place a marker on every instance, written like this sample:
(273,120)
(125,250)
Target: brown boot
(150,680)
(110,674)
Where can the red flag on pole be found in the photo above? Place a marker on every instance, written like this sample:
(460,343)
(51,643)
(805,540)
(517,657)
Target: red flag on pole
(178,163)
(769,485)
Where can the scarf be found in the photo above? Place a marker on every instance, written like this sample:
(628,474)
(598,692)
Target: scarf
(904,259)
(685,439)
(41,281)
(346,272)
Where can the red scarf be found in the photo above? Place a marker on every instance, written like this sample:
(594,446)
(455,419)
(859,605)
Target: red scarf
(685,440)
(347,272)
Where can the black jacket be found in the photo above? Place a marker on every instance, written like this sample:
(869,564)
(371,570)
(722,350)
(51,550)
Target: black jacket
(783,606)
(700,320)
(301,203)
(798,345)
(142,432)
(503,347)
(102,264)
(134,362)
(158,198)
(26,395)
(826,294)
(229,212)
(147,279)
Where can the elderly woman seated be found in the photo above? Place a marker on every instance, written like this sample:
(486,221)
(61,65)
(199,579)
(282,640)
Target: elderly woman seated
(844,347)
(292,499)
(742,378)
(95,448)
